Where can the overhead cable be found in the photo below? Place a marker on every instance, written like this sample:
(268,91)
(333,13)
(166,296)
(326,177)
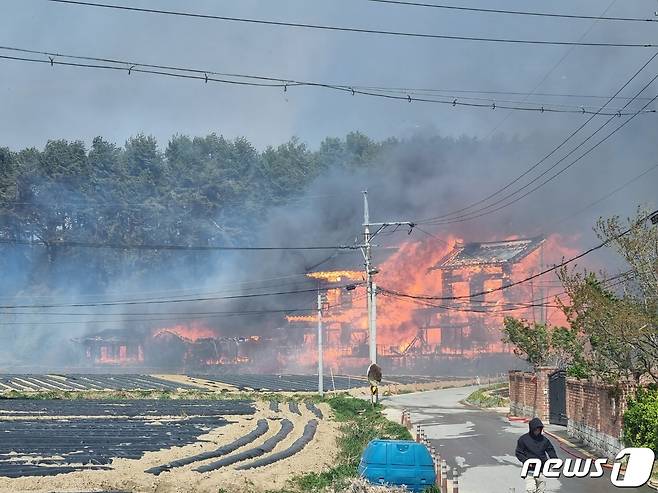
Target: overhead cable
(529,278)
(547,156)
(455,217)
(515,12)
(358,30)
(178,300)
(53,58)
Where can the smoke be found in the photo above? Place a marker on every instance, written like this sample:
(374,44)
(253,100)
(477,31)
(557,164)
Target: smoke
(410,179)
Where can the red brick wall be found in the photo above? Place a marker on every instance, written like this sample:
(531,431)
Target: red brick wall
(529,393)
(594,411)
(595,414)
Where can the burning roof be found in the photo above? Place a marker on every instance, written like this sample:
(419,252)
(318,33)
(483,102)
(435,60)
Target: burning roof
(489,253)
(112,336)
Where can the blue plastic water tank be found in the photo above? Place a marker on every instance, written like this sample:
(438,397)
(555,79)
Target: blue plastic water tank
(398,462)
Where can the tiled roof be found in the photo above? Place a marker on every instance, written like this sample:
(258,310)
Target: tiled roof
(489,253)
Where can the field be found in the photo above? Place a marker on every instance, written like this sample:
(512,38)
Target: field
(182,433)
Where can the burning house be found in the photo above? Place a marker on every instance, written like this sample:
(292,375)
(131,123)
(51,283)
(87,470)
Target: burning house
(474,327)
(178,347)
(119,346)
(416,335)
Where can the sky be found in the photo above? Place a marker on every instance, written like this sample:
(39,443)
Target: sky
(41,102)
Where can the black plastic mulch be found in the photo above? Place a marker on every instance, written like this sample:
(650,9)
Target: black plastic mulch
(308,434)
(262,449)
(286,383)
(72,439)
(72,382)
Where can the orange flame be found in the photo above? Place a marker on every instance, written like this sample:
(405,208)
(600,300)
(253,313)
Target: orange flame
(336,276)
(191,332)
(464,325)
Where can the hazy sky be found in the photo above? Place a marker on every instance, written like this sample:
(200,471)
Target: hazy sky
(38,102)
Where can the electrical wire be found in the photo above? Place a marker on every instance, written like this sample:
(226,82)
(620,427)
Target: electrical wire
(350,29)
(602,198)
(129,246)
(178,300)
(484,212)
(513,12)
(522,281)
(564,56)
(547,156)
(209,76)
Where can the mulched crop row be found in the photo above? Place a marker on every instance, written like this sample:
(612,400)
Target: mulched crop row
(286,383)
(64,446)
(73,382)
(297,446)
(261,428)
(68,438)
(134,407)
(252,453)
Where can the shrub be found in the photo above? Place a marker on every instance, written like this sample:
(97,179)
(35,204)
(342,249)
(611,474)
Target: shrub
(641,420)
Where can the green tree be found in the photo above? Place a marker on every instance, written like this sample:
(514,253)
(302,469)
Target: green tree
(621,326)
(531,342)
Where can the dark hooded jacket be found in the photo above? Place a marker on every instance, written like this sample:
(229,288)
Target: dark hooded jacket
(530,446)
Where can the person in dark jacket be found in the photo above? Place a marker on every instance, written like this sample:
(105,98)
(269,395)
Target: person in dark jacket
(534,445)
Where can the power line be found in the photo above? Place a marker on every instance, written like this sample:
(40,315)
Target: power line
(547,156)
(483,210)
(467,310)
(513,12)
(351,29)
(282,83)
(158,319)
(553,176)
(178,300)
(420,90)
(129,246)
(604,197)
(564,56)
(516,283)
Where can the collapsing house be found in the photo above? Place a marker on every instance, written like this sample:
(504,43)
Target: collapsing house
(165,348)
(470,325)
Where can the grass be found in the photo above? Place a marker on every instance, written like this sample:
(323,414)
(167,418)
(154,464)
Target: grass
(487,397)
(182,394)
(361,423)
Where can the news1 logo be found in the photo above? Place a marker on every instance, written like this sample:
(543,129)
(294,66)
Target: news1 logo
(637,473)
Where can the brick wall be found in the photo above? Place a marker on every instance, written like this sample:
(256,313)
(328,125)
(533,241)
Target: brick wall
(594,412)
(528,393)
(595,415)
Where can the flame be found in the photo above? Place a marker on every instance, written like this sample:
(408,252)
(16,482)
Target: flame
(336,276)
(465,326)
(301,318)
(117,355)
(191,332)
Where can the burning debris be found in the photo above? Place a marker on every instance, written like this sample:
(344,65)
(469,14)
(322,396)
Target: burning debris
(411,332)
(178,347)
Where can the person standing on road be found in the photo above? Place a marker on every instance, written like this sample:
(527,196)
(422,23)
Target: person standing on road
(534,445)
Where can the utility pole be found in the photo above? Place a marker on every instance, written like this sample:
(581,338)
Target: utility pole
(320,362)
(371,287)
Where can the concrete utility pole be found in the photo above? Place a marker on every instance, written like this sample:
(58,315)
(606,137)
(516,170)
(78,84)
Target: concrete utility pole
(371,287)
(320,356)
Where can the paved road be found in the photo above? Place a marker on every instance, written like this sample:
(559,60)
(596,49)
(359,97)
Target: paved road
(480,444)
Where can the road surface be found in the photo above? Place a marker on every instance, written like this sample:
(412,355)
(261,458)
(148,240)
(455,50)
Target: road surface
(480,444)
